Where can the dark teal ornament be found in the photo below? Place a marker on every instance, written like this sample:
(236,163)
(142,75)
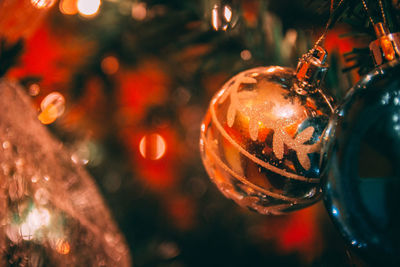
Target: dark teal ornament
(361,163)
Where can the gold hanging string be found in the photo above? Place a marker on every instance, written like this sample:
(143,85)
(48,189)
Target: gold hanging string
(369,12)
(330,20)
(382,12)
(312,66)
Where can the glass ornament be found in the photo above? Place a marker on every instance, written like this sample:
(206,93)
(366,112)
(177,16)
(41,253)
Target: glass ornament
(260,138)
(222,14)
(51,212)
(361,160)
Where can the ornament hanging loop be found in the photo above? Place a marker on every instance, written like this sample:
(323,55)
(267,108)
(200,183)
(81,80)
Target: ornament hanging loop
(312,66)
(311,70)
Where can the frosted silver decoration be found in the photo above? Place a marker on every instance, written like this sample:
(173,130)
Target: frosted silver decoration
(51,211)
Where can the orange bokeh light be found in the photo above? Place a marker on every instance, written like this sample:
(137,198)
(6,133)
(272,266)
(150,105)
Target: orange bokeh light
(139,11)
(68,7)
(63,247)
(110,65)
(52,106)
(152,146)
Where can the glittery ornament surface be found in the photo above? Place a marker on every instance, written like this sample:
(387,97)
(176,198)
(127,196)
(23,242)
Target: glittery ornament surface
(362,166)
(51,211)
(260,140)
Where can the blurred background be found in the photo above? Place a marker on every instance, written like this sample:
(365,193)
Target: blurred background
(137,77)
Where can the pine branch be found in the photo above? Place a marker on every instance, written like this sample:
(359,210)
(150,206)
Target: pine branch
(9,55)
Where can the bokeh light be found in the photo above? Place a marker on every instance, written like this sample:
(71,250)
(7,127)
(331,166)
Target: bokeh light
(68,7)
(37,218)
(221,17)
(52,106)
(34,89)
(245,54)
(63,247)
(139,11)
(227,13)
(6,145)
(152,146)
(110,65)
(88,8)
(81,153)
(214,18)
(42,3)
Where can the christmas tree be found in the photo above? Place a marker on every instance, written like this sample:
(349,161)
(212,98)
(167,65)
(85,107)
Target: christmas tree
(137,77)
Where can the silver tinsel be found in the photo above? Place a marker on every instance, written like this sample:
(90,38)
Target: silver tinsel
(51,211)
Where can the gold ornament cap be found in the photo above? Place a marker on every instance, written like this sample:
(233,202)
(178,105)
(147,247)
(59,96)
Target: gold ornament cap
(387,47)
(312,68)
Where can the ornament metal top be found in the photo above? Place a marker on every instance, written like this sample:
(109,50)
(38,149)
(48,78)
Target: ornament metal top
(260,139)
(386,47)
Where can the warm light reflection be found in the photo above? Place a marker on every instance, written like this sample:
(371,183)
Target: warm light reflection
(221,17)
(34,179)
(88,8)
(139,11)
(203,127)
(214,18)
(68,7)
(63,247)
(152,146)
(271,69)
(110,65)
(220,93)
(35,219)
(284,111)
(52,106)
(42,3)
(227,13)
(6,145)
